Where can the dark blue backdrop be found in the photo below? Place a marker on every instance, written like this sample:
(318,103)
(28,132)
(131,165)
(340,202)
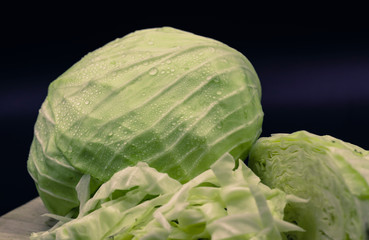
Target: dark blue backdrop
(314,78)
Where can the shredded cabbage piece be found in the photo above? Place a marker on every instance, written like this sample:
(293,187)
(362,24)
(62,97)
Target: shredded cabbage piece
(139,202)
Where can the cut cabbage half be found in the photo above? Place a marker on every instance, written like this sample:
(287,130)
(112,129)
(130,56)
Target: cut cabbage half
(331,173)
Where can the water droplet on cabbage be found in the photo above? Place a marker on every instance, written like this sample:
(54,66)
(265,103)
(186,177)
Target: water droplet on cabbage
(153,71)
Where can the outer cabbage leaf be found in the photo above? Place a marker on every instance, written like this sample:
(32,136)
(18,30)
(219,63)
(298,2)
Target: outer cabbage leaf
(220,203)
(331,173)
(172,99)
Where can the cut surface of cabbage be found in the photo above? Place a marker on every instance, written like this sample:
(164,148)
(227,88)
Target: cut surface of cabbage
(331,173)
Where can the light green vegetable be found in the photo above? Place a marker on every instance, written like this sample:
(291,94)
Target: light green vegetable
(332,174)
(172,99)
(141,203)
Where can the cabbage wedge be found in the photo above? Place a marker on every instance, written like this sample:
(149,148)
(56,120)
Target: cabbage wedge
(331,173)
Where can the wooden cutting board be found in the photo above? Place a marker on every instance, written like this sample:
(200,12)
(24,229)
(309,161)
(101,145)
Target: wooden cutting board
(22,221)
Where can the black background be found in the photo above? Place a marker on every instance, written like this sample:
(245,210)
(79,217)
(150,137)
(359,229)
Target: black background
(314,77)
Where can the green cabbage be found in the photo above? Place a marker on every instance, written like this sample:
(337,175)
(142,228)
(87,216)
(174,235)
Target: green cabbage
(140,203)
(172,99)
(331,173)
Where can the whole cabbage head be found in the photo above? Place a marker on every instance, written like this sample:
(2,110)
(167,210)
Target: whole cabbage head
(172,99)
